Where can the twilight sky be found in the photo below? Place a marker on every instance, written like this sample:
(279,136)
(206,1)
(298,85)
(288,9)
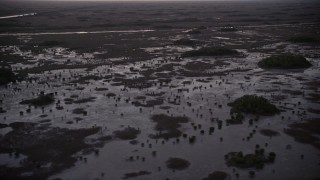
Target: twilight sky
(317,1)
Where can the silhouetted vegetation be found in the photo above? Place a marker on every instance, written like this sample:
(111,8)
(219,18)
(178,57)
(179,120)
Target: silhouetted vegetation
(185,42)
(42,100)
(284,61)
(177,164)
(254,105)
(304,39)
(210,51)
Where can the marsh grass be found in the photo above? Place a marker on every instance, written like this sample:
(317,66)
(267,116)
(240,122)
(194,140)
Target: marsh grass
(41,100)
(184,42)
(211,51)
(304,39)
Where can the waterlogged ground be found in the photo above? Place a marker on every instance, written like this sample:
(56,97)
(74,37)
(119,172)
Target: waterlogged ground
(111,87)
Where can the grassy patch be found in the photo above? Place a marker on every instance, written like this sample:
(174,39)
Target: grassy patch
(128,133)
(42,146)
(228,29)
(51,43)
(304,39)
(163,27)
(194,31)
(177,164)
(284,61)
(198,66)
(79,111)
(305,132)
(85,100)
(167,126)
(210,51)
(269,132)
(184,42)
(217,175)
(135,174)
(254,105)
(148,103)
(236,118)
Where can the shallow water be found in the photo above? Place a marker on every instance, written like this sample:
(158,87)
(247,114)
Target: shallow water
(16,16)
(76,32)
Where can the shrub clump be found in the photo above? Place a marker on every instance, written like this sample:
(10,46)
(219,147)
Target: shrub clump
(6,75)
(254,105)
(257,160)
(284,61)
(42,100)
(210,51)
(184,42)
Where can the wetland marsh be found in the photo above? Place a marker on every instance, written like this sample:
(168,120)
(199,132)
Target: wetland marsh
(159,90)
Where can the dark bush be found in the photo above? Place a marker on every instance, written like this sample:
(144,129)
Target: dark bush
(284,61)
(6,76)
(254,105)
